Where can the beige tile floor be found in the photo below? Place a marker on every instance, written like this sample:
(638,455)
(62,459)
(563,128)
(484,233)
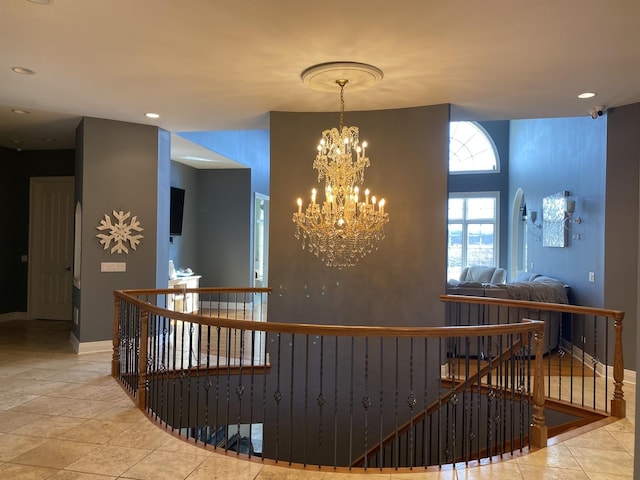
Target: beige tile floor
(62,417)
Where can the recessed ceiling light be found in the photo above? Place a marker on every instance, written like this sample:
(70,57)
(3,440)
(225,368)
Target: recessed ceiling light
(587,95)
(23,70)
(151,115)
(48,139)
(19,111)
(42,2)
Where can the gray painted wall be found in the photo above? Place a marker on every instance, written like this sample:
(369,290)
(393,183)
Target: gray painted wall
(182,249)
(223,217)
(551,155)
(397,285)
(123,166)
(621,226)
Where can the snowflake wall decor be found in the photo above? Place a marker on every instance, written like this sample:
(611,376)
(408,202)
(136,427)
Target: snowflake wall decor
(120,233)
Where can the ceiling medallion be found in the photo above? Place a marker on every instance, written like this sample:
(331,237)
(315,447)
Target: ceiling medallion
(348,224)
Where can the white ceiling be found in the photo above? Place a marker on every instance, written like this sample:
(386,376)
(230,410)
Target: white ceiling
(224,64)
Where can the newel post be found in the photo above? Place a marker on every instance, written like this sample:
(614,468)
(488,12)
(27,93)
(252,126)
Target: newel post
(618,403)
(538,429)
(115,338)
(142,360)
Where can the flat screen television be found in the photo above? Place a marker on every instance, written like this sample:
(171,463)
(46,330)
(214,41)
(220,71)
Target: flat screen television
(176,211)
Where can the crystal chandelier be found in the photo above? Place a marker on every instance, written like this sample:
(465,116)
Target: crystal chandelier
(350,222)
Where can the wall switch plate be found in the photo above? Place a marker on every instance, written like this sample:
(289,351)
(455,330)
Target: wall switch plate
(592,277)
(113,267)
(24,258)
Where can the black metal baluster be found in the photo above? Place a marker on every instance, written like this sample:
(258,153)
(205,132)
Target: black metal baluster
(306,401)
(189,368)
(396,451)
(606,363)
(411,401)
(335,405)
(465,400)
(351,379)
(252,386)
(366,402)
(425,406)
(291,376)
(207,386)
(278,397)
(439,425)
(595,360)
(381,460)
(227,418)
(264,358)
(584,353)
(321,401)
(240,388)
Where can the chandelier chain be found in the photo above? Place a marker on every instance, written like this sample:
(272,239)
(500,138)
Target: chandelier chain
(342,83)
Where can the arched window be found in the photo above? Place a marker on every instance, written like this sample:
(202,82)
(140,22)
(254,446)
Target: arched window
(471,149)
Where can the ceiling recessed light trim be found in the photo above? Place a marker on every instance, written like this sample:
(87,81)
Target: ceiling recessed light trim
(20,111)
(41,2)
(151,115)
(587,95)
(23,71)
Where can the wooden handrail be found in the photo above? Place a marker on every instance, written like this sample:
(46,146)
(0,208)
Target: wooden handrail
(329,330)
(553,307)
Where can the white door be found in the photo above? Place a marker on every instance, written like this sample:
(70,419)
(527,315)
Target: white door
(51,247)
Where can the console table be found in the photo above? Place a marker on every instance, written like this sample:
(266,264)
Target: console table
(186,302)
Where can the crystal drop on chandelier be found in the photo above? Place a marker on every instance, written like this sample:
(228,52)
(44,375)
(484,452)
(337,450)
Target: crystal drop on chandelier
(349,223)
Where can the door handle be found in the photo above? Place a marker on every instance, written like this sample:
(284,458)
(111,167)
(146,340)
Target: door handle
(68,269)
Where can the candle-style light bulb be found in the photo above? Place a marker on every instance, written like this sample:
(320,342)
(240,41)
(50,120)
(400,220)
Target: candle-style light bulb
(381,206)
(366,196)
(299,206)
(313,195)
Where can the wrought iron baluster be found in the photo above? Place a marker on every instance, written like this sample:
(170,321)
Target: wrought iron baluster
(335,404)
(321,401)
(291,398)
(351,380)
(595,361)
(606,363)
(366,402)
(381,458)
(306,401)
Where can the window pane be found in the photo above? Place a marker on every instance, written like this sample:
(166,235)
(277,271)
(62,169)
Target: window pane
(480,248)
(481,208)
(456,208)
(470,149)
(454,262)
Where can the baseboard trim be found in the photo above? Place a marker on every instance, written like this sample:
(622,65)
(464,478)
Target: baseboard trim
(90,347)
(5,317)
(629,375)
